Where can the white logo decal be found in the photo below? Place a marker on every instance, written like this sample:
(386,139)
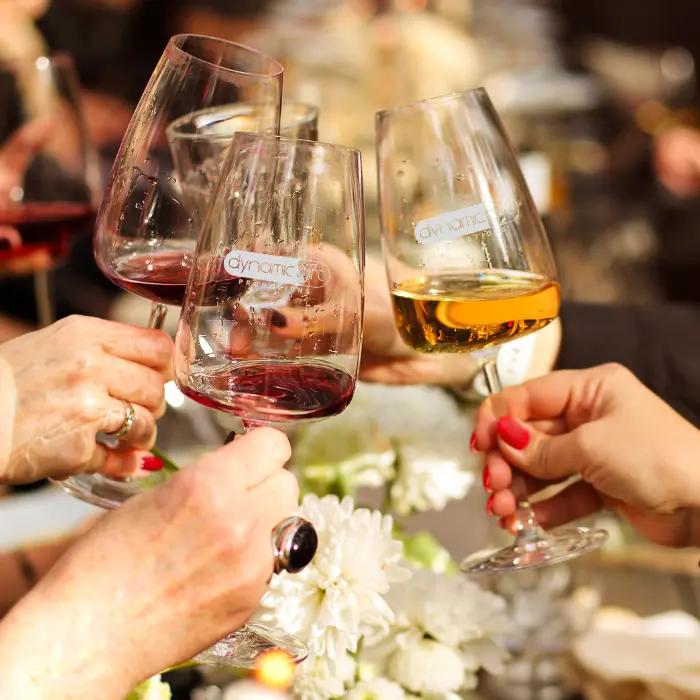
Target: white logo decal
(278,269)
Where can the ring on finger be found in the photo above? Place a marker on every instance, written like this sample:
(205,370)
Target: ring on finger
(129,420)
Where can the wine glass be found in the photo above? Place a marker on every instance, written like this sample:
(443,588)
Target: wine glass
(271,326)
(145,235)
(469,264)
(49,176)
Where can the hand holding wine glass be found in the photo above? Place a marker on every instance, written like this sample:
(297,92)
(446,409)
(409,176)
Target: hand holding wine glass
(468,261)
(631,451)
(67,382)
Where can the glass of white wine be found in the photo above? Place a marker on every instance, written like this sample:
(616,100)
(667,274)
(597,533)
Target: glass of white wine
(469,264)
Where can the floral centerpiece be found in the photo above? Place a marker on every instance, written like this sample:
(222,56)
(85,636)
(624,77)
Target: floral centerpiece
(384,614)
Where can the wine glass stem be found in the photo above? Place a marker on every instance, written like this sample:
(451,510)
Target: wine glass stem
(158,314)
(524,523)
(44,299)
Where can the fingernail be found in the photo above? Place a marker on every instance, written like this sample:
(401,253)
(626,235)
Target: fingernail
(151,463)
(513,432)
(230,437)
(472,443)
(485,478)
(277,319)
(489,505)
(502,523)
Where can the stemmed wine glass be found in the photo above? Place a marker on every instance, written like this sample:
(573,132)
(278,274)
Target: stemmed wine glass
(49,175)
(145,235)
(469,264)
(271,327)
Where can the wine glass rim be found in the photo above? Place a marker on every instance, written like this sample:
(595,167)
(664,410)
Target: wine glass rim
(253,136)
(274,63)
(481,91)
(174,128)
(41,60)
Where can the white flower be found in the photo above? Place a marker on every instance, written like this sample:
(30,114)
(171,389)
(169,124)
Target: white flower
(424,482)
(450,611)
(427,666)
(376,689)
(339,597)
(250,690)
(420,427)
(319,679)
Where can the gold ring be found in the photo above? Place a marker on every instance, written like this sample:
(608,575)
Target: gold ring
(129,420)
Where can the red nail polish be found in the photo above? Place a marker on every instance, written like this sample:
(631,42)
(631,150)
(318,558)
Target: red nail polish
(151,463)
(513,432)
(485,478)
(472,443)
(502,523)
(489,505)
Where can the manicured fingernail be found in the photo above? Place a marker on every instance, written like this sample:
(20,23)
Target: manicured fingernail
(472,443)
(489,505)
(277,319)
(513,432)
(502,524)
(485,478)
(151,463)
(230,437)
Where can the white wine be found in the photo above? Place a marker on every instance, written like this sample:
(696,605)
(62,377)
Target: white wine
(471,311)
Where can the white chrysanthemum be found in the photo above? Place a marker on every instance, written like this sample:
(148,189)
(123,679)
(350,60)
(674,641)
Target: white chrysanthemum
(451,611)
(319,679)
(427,666)
(424,482)
(339,597)
(376,689)
(421,427)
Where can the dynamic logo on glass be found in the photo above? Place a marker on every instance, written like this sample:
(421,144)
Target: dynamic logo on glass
(278,269)
(463,222)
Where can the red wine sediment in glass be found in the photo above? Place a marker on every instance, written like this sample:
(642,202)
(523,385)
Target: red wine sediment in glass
(162,277)
(46,226)
(277,392)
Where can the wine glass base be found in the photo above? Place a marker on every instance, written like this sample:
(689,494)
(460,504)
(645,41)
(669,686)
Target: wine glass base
(556,547)
(244,648)
(100,490)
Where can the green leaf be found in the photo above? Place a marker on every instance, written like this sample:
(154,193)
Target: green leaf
(152,689)
(422,549)
(162,475)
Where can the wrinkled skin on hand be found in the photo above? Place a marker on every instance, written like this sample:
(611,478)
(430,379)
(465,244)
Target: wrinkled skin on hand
(62,385)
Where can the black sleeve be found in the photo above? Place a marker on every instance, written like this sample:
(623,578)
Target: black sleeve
(659,343)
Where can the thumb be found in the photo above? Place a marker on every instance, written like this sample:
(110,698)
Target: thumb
(546,457)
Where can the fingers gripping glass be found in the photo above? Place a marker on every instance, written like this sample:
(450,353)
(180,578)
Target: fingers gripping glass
(271,327)
(468,263)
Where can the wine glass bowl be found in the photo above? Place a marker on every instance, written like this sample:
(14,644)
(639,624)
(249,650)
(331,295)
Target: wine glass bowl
(469,264)
(49,177)
(271,326)
(145,234)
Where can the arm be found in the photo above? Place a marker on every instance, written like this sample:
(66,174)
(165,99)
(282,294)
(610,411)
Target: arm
(659,344)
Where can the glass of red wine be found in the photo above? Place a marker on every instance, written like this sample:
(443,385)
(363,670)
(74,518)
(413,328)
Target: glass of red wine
(145,234)
(271,327)
(49,176)
(272,322)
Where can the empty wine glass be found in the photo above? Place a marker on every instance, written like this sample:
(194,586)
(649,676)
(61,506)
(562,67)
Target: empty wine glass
(145,236)
(49,178)
(469,263)
(271,327)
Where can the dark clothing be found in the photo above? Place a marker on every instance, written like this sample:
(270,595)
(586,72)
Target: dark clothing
(659,343)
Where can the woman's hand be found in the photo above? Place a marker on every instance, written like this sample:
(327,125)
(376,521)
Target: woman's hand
(632,452)
(62,385)
(156,581)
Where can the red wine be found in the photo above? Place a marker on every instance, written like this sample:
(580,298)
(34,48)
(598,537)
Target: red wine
(275,391)
(45,226)
(162,277)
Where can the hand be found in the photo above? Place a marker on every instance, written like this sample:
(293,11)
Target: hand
(677,160)
(156,581)
(62,385)
(632,452)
